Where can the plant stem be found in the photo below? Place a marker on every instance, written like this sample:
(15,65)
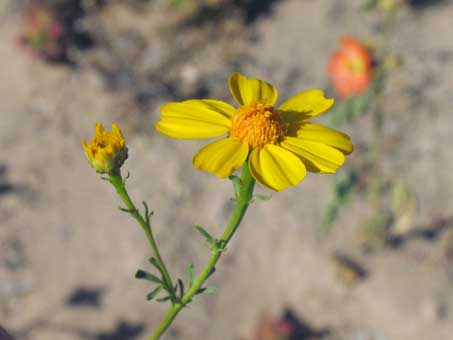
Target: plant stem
(381,73)
(118,182)
(243,201)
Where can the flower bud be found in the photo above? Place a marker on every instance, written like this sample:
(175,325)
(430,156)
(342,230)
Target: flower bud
(107,150)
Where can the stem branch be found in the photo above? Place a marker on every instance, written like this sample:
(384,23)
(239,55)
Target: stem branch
(243,200)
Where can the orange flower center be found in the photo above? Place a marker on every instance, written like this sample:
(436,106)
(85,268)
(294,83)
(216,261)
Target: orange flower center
(257,125)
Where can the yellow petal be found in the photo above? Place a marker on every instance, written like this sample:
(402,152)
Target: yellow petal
(219,106)
(117,131)
(317,157)
(84,144)
(247,91)
(195,119)
(221,157)
(87,150)
(276,168)
(305,105)
(99,129)
(323,134)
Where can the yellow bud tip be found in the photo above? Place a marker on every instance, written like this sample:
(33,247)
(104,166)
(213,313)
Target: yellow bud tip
(98,128)
(116,129)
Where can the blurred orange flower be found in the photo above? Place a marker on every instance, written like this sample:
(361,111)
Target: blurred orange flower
(42,31)
(350,67)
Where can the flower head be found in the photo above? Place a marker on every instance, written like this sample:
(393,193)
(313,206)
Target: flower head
(350,67)
(278,143)
(42,31)
(107,151)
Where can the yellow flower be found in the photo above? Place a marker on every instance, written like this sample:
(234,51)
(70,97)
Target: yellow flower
(279,143)
(107,150)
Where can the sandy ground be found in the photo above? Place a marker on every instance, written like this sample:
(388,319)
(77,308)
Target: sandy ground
(61,234)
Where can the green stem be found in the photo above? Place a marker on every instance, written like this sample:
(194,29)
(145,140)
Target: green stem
(118,182)
(242,203)
(387,28)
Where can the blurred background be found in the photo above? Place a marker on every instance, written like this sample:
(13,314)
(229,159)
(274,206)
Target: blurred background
(366,254)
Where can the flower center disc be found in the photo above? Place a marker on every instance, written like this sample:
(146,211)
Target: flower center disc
(257,124)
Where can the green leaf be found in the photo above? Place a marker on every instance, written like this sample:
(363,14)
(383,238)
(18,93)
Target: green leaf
(153,294)
(191,274)
(210,290)
(237,183)
(148,213)
(259,197)
(181,287)
(211,272)
(207,290)
(123,181)
(156,264)
(192,302)
(370,4)
(344,184)
(166,298)
(142,275)
(212,242)
(349,109)
(343,187)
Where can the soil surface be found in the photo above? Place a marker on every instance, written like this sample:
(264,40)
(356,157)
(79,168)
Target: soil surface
(68,256)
